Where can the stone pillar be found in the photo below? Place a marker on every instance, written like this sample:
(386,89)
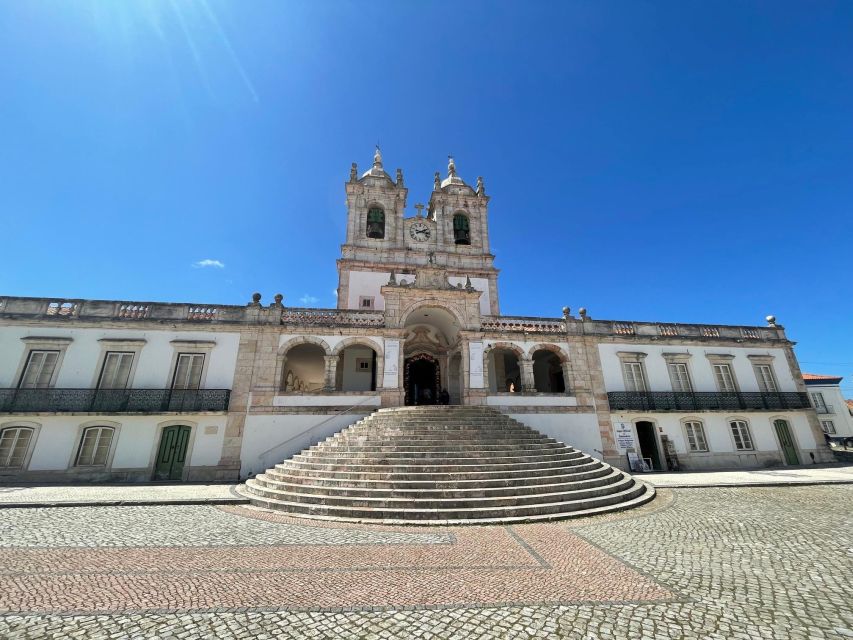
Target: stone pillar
(527,380)
(567,377)
(331,371)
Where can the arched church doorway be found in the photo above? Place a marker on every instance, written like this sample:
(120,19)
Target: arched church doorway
(432,356)
(422,379)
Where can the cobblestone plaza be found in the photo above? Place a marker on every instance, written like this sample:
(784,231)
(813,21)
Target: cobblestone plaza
(759,562)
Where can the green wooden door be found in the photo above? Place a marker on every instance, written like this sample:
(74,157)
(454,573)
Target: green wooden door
(172,453)
(789,450)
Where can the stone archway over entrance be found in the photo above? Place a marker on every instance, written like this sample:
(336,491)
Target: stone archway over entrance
(432,356)
(422,379)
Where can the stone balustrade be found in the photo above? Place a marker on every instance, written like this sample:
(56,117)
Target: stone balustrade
(60,310)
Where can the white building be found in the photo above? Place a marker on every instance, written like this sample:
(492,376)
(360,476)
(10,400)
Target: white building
(127,390)
(832,409)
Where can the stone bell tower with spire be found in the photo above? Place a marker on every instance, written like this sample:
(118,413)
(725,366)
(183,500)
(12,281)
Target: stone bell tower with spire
(451,235)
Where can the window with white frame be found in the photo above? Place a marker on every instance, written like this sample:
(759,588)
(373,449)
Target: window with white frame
(741,435)
(635,377)
(819,403)
(94,450)
(115,371)
(696,441)
(679,376)
(39,369)
(725,377)
(188,370)
(828,426)
(765,377)
(14,444)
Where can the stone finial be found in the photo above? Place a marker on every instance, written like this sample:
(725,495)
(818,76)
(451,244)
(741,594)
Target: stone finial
(436,183)
(420,208)
(582,313)
(451,167)
(567,312)
(278,298)
(393,279)
(377,158)
(399,177)
(353,173)
(481,187)
(256,298)
(468,285)
(771,321)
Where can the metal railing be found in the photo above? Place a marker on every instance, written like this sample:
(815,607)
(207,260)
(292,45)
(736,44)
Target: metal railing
(705,401)
(114,400)
(824,408)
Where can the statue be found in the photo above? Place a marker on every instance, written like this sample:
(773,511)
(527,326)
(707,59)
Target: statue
(437,181)
(353,172)
(399,177)
(481,188)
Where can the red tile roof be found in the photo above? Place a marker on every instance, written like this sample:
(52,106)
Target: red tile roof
(816,376)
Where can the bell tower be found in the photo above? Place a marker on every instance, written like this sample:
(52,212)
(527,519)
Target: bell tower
(452,235)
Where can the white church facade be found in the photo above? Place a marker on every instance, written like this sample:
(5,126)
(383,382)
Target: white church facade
(94,390)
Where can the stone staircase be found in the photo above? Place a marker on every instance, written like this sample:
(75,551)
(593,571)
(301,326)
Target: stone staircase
(443,465)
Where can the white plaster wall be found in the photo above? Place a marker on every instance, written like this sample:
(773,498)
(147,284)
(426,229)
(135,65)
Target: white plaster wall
(516,400)
(327,400)
(286,435)
(153,369)
(138,439)
(368,283)
(353,379)
(840,416)
(480,284)
(701,372)
(718,435)
(577,430)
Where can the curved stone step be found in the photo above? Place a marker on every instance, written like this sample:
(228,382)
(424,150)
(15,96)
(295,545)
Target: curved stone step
(442,465)
(430,466)
(472,474)
(454,516)
(596,470)
(380,491)
(440,504)
(411,459)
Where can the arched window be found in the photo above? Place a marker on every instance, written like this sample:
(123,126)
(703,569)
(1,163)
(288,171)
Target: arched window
(376,223)
(95,446)
(14,444)
(461,229)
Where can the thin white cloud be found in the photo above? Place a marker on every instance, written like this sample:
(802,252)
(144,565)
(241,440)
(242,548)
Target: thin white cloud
(309,301)
(207,262)
(335,293)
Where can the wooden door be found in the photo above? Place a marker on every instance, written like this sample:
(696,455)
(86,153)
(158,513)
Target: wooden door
(786,441)
(172,454)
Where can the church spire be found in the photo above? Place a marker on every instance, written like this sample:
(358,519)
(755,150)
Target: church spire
(377,158)
(451,167)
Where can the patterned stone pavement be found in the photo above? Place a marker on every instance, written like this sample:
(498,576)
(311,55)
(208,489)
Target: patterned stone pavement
(696,563)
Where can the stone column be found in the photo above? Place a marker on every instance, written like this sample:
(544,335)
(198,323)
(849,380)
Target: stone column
(331,370)
(567,376)
(527,380)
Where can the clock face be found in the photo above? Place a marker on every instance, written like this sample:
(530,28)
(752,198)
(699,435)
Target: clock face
(419,231)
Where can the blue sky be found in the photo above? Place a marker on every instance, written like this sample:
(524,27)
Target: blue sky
(672,161)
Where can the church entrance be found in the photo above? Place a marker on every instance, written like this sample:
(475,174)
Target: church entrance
(422,379)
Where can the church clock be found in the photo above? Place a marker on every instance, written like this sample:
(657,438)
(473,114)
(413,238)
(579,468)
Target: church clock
(419,231)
